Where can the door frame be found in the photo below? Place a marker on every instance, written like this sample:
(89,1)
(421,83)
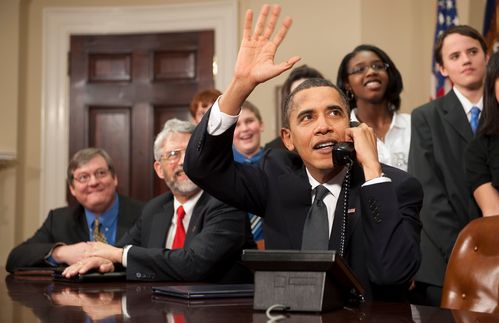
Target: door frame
(59,23)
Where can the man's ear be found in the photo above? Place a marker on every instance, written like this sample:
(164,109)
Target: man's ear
(286,139)
(158,169)
(72,189)
(442,70)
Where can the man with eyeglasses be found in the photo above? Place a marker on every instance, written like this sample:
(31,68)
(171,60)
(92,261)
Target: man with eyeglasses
(182,235)
(102,214)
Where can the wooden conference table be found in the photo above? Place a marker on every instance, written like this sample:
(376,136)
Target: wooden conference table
(43,300)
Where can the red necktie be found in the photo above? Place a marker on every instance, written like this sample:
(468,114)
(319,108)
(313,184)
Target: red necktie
(178,241)
(178,318)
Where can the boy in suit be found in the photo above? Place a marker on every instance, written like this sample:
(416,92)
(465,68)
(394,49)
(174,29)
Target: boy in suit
(441,129)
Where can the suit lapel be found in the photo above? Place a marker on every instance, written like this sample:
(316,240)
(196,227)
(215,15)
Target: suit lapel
(80,225)
(453,113)
(160,225)
(123,219)
(353,210)
(296,201)
(196,218)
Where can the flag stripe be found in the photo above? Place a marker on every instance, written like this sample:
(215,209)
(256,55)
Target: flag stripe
(446,18)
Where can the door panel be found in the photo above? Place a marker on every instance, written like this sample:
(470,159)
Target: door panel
(122,90)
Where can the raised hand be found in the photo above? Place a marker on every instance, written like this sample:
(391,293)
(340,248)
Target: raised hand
(255,60)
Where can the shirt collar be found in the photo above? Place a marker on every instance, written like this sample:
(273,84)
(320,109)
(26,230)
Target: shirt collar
(189,205)
(333,185)
(396,120)
(467,105)
(240,158)
(108,218)
(353,115)
(399,122)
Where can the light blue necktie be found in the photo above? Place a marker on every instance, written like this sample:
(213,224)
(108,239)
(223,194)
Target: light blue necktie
(475,112)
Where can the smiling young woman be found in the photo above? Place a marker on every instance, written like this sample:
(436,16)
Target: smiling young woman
(373,85)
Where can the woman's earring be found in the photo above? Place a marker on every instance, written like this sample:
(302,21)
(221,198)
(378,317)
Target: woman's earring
(350,95)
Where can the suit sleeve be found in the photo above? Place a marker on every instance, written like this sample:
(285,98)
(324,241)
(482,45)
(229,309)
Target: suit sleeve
(477,168)
(133,235)
(392,230)
(437,215)
(129,213)
(209,253)
(32,252)
(209,162)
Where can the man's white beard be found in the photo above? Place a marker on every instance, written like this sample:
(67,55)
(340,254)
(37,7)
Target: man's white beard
(184,187)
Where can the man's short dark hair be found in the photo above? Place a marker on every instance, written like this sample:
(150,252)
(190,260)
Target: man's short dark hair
(85,155)
(308,84)
(463,30)
(298,73)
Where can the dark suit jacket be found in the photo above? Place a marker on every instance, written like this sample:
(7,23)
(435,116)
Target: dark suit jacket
(216,235)
(440,133)
(382,245)
(67,225)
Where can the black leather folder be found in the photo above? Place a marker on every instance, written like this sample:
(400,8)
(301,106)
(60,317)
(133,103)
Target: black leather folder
(202,291)
(91,277)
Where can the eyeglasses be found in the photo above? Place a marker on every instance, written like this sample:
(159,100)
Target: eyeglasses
(361,69)
(172,156)
(84,178)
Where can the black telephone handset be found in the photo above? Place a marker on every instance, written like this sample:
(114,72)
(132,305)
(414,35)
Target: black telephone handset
(344,151)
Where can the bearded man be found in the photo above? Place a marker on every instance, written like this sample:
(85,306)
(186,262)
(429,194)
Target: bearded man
(182,235)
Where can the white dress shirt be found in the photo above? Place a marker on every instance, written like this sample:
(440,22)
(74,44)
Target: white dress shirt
(467,105)
(394,150)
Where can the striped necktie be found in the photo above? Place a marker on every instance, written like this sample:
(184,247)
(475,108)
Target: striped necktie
(256,226)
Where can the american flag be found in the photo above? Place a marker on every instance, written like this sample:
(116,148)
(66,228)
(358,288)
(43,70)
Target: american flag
(446,18)
(491,26)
